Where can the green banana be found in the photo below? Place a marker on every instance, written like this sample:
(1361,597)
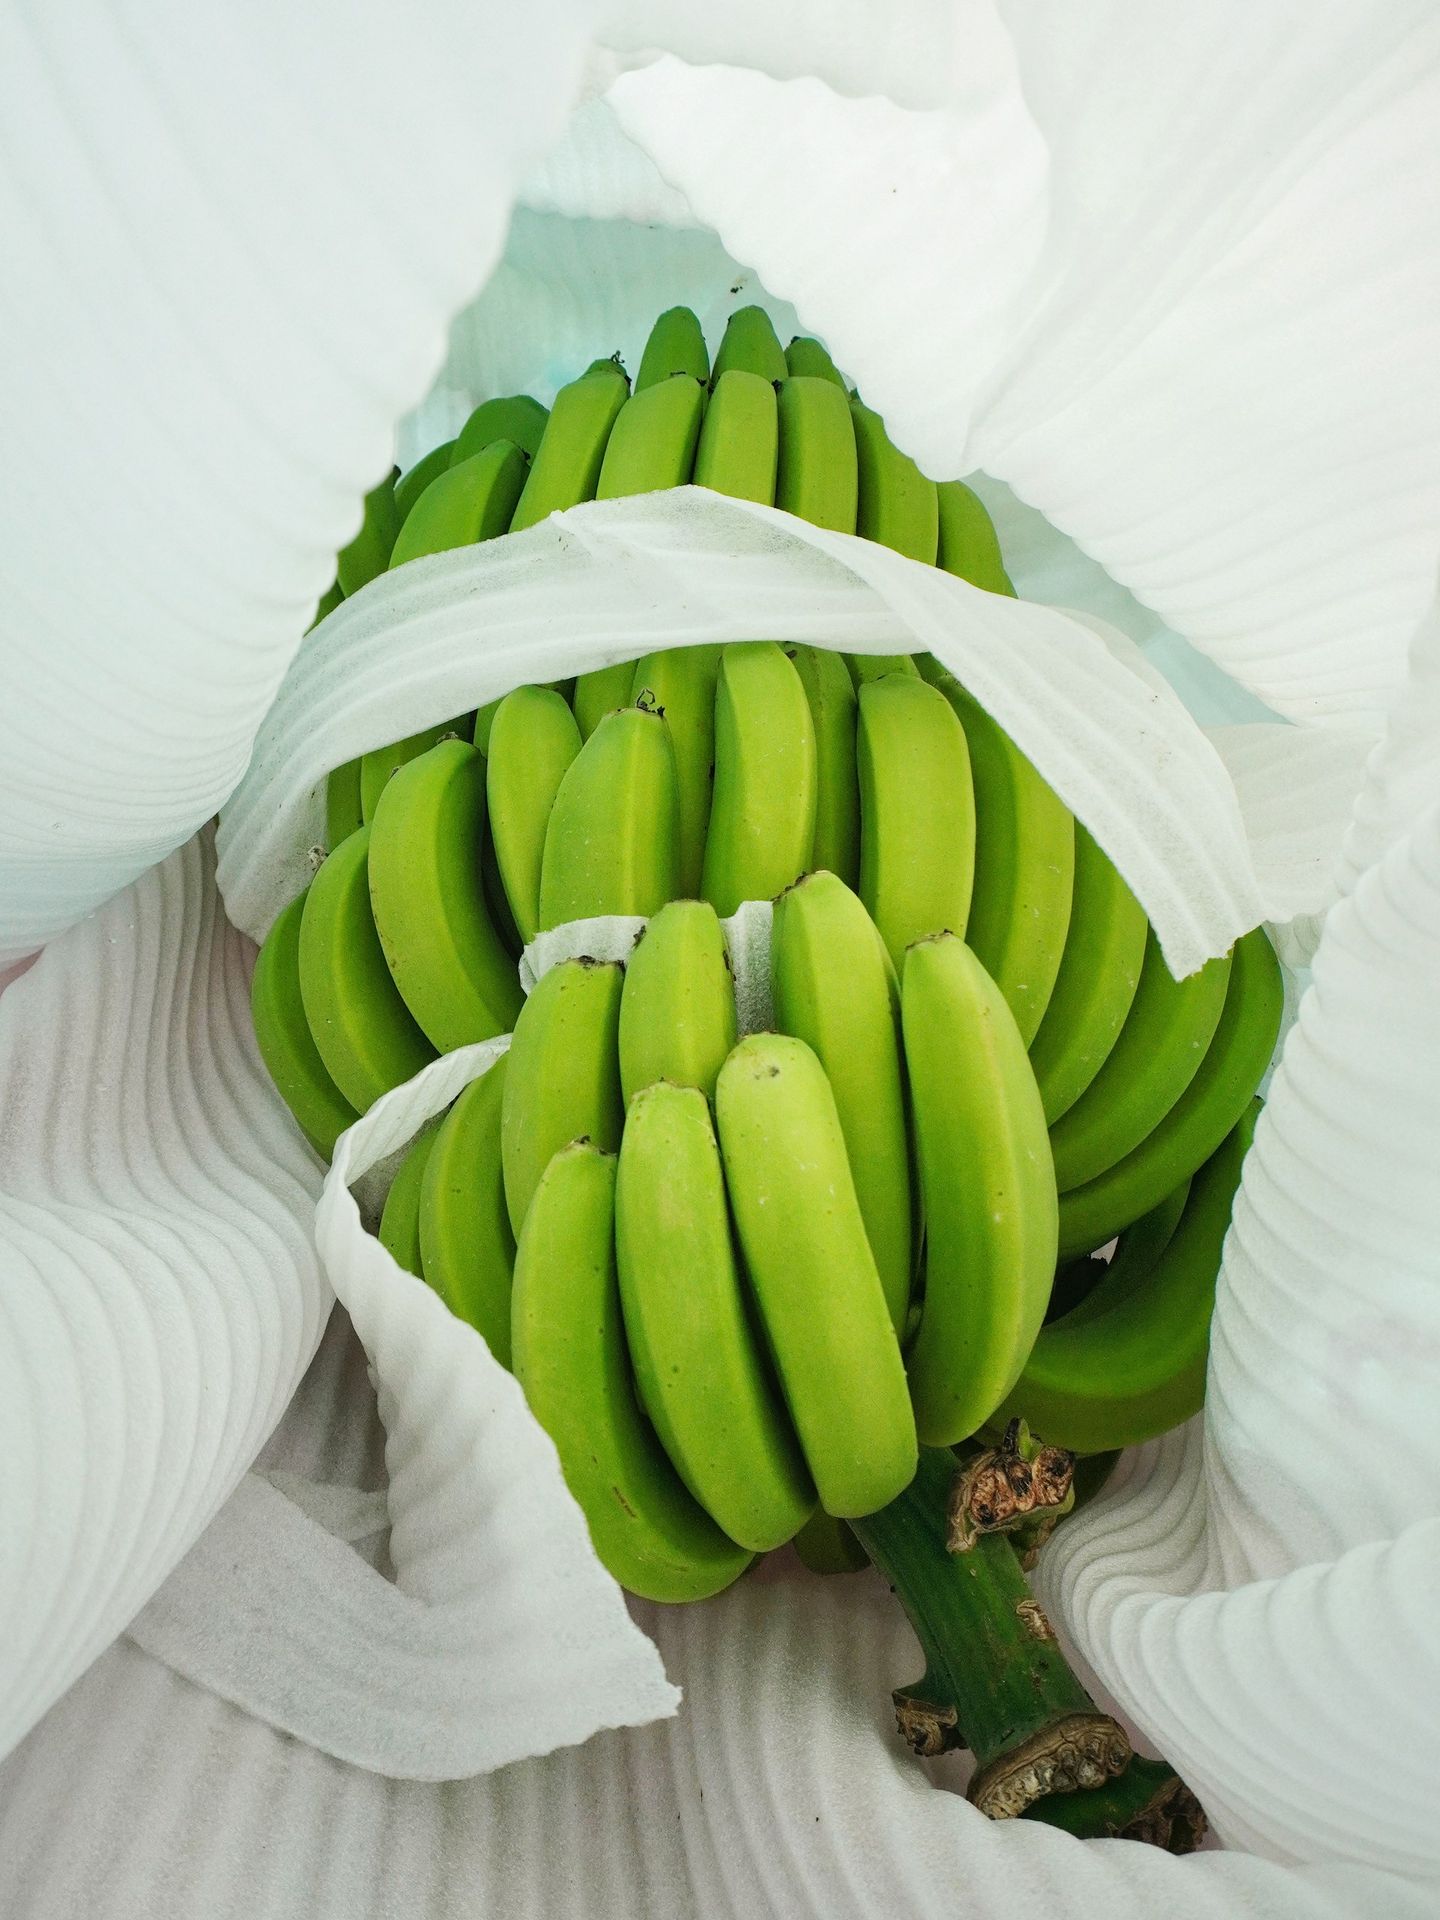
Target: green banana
(739,438)
(428,897)
(807,359)
(834,987)
(818,477)
(750,343)
(468,502)
(467,1248)
(875,666)
(698,1362)
(516,418)
(988,1185)
(677,1011)
(364,1032)
(563,1078)
(1076,1299)
(813,1274)
(1095,985)
(569,1356)
(1130,1361)
(286,1043)
(762,813)
(566,466)
(380,763)
(612,844)
(1024,861)
(1234,1062)
(652,443)
(400,1218)
(969,546)
(831,695)
(601,691)
(501,918)
(1164,1039)
(533,740)
(676,345)
(897,506)
(680,684)
(410,486)
(368,554)
(344,813)
(917,812)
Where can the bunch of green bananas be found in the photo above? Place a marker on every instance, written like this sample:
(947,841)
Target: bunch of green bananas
(739,1278)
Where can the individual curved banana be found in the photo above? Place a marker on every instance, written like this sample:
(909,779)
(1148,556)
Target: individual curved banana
(380,763)
(818,476)
(833,986)
(428,897)
(565,469)
(917,812)
(562,1081)
(515,417)
(1020,902)
(411,484)
(969,545)
(677,1011)
(399,1232)
(1234,1063)
(676,345)
(286,1043)
(469,502)
(533,740)
(679,683)
(368,554)
(897,506)
(1129,1362)
(699,1367)
(762,812)
(988,1185)
(1164,1039)
(363,1030)
(344,810)
(467,1248)
(750,343)
(830,692)
(652,443)
(1095,985)
(875,666)
(813,1274)
(613,841)
(1077,1297)
(738,447)
(807,359)
(602,691)
(569,1356)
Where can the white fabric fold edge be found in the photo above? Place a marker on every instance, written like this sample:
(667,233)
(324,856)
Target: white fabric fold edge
(609,581)
(501,1635)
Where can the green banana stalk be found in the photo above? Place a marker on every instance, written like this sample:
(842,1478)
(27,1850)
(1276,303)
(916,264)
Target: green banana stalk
(1235,1061)
(516,418)
(565,469)
(738,447)
(612,844)
(699,1366)
(1129,1362)
(287,1045)
(750,343)
(818,476)
(468,502)
(917,812)
(988,1185)
(834,987)
(813,1274)
(762,812)
(533,742)
(562,1081)
(400,1218)
(676,345)
(427,894)
(363,1030)
(1095,985)
(410,486)
(1021,901)
(677,1010)
(467,1248)
(679,683)
(1164,1039)
(368,554)
(830,692)
(568,1348)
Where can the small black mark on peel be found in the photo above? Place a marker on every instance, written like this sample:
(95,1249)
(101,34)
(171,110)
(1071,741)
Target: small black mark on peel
(623,1501)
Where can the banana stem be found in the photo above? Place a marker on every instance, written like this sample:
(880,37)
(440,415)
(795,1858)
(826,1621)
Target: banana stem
(996,1680)
(1148,1802)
